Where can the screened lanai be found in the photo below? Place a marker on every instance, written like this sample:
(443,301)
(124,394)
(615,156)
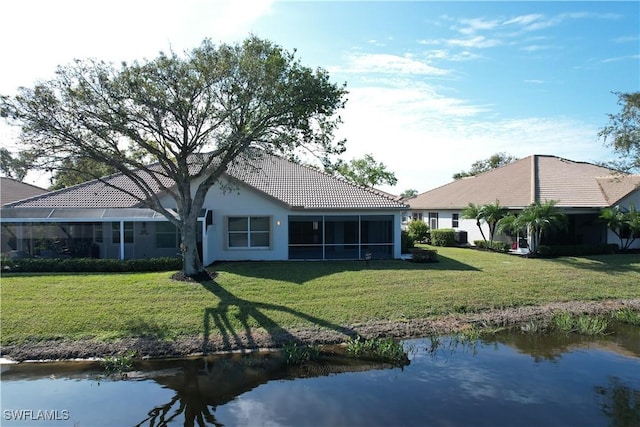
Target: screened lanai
(95,233)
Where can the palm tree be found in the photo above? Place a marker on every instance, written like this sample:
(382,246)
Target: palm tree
(474,212)
(492,213)
(536,218)
(624,224)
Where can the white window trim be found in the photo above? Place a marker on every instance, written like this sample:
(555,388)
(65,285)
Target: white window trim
(247,248)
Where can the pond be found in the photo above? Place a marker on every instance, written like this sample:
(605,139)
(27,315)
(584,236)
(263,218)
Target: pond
(508,379)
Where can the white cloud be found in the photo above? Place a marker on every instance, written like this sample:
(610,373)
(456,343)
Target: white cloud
(524,19)
(471,26)
(388,64)
(39,35)
(621,58)
(478,42)
(425,137)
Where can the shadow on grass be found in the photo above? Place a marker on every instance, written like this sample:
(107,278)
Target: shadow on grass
(218,319)
(300,272)
(613,264)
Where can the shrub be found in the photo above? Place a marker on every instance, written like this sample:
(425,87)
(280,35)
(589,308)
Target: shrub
(576,250)
(424,255)
(443,237)
(406,242)
(418,230)
(89,265)
(494,246)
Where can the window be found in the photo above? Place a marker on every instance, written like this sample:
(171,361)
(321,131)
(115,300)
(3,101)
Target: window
(455,218)
(433,220)
(417,216)
(128,232)
(167,236)
(248,231)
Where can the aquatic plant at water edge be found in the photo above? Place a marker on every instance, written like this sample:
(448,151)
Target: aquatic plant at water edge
(627,315)
(582,324)
(120,364)
(384,349)
(296,354)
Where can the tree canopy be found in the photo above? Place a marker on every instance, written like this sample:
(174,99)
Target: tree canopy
(366,172)
(495,161)
(409,193)
(190,117)
(14,166)
(623,131)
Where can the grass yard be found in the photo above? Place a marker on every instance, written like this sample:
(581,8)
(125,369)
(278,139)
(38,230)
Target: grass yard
(285,295)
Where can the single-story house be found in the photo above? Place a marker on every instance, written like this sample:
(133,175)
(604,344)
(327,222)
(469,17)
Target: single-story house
(271,209)
(580,189)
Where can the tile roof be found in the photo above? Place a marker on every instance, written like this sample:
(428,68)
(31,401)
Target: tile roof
(295,185)
(534,178)
(12,190)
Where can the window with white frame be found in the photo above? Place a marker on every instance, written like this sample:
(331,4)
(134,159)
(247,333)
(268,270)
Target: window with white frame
(248,232)
(455,220)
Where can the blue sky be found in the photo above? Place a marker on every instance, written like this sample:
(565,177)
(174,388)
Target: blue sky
(434,86)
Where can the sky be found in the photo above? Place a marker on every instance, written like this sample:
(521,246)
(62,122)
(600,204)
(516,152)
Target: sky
(433,86)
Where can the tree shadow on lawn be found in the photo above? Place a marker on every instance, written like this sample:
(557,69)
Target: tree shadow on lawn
(612,264)
(217,320)
(301,272)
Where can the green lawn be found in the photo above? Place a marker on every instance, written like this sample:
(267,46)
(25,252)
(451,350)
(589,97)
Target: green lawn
(285,295)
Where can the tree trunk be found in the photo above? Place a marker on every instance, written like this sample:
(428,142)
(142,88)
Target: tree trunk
(191,263)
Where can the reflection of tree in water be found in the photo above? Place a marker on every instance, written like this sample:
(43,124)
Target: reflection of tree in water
(620,403)
(550,346)
(206,383)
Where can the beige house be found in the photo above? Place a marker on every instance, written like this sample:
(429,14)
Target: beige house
(580,189)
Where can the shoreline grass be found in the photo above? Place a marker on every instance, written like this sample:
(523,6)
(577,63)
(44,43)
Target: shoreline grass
(285,295)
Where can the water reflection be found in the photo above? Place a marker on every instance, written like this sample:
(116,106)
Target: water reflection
(506,379)
(620,403)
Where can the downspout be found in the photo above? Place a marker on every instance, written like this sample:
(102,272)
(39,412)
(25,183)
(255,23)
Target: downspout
(121,240)
(205,251)
(534,187)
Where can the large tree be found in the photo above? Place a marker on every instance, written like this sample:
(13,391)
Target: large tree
(174,124)
(623,131)
(495,161)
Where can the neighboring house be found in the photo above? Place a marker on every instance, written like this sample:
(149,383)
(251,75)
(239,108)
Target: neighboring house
(271,209)
(12,190)
(580,189)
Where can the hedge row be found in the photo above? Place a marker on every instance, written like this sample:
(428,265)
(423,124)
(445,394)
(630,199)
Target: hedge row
(89,265)
(577,250)
(494,246)
(443,237)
